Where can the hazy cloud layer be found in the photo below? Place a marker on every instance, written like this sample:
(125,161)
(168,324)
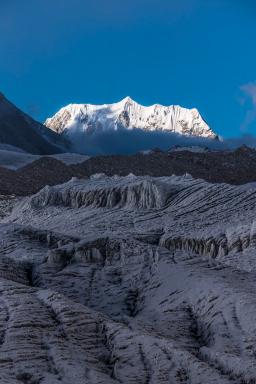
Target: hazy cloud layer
(131,141)
(249,90)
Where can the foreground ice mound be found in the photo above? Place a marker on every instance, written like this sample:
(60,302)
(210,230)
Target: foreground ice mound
(101,191)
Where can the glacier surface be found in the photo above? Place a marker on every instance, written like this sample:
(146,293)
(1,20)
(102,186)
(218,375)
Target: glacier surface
(129,280)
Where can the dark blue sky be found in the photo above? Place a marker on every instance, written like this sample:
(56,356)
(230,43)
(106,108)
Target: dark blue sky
(190,52)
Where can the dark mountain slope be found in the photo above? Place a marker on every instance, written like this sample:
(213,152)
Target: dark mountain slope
(20,130)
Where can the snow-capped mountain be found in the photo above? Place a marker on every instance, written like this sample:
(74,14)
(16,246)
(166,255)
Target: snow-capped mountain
(127,114)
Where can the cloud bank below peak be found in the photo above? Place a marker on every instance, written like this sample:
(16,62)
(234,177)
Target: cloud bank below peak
(127,142)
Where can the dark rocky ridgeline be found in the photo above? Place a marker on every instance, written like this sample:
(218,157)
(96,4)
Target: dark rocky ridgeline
(45,171)
(33,177)
(236,167)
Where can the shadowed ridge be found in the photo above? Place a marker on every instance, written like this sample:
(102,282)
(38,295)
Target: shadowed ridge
(20,130)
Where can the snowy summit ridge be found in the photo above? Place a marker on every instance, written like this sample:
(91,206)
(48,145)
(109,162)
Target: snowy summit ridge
(128,114)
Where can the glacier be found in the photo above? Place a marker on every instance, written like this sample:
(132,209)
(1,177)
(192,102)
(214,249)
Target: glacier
(132,279)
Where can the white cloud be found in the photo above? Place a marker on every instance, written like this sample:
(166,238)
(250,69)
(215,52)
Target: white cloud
(249,90)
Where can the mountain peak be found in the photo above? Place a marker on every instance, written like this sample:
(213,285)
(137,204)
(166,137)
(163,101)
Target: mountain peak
(128,114)
(127,99)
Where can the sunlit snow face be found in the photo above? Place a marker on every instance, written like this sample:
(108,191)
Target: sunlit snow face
(75,120)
